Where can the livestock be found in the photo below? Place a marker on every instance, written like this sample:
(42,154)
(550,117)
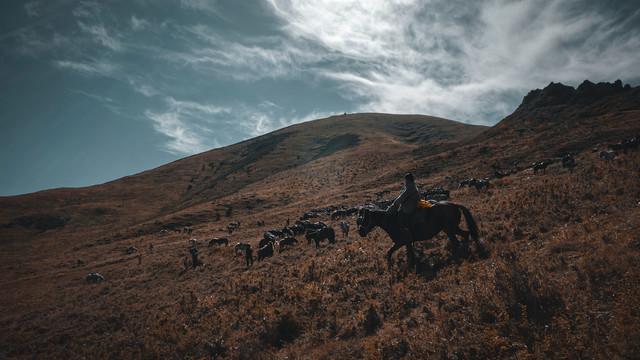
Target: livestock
(435,194)
(219,241)
(187,230)
(630,144)
(479,184)
(442,216)
(241,247)
(95,278)
(130,250)
(339,213)
(320,235)
(288,241)
(80,262)
(344,226)
(163,232)
(297,229)
(608,155)
(541,166)
(265,251)
(193,242)
(287,231)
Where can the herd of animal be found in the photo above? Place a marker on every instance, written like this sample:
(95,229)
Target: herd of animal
(319,231)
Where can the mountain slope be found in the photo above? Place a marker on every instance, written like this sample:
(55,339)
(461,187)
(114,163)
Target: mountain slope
(555,273)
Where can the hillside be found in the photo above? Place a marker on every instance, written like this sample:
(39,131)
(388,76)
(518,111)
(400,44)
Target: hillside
(557,275)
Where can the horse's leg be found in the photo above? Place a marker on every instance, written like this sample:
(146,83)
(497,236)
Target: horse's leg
(412,258)
(452,237)
(395,247)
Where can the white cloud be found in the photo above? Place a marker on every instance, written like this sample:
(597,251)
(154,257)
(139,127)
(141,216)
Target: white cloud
(94,68)
(33,9)
(446,58)
(101,36)
(184,140)
(187,124)
(138,24)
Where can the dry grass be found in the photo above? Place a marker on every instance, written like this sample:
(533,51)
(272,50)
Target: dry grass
(559,278)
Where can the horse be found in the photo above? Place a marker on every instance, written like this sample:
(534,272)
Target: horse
(442,216)
(321,234)
(240,247)
(219,241)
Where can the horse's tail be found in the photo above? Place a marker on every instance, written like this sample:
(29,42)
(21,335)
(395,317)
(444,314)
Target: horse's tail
(471,223)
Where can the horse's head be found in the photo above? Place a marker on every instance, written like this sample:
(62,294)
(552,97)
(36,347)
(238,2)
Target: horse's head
(365,222)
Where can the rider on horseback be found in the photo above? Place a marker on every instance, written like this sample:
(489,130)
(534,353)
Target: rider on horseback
(406,203)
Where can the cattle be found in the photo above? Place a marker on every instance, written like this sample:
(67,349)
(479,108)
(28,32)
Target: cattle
(193,242)
(95,278)
(344,226)
(288,241)
(265,251)
(187,230)
(219,241)
(80,262)
(240,247)
(164,232)
(608,155)
(130,250)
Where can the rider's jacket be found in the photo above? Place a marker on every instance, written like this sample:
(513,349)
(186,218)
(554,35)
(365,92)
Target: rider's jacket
(407,201)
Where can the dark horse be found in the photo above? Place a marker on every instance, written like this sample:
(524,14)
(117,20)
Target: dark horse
(443,215)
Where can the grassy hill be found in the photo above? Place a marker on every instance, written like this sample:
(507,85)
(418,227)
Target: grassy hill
(559,277)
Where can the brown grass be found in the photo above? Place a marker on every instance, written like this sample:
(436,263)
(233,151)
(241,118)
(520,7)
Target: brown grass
(559,278)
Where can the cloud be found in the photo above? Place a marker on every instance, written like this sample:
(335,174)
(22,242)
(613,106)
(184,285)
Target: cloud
(33,9)
(447,58)
(144,89)
(139,24)
(187,124)
(101,36)
(97,68)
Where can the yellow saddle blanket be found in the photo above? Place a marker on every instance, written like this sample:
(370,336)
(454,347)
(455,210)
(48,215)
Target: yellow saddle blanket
(423,204)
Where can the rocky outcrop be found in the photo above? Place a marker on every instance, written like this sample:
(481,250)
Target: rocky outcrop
(559,94)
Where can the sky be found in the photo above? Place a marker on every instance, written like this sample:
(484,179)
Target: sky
(92,91)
